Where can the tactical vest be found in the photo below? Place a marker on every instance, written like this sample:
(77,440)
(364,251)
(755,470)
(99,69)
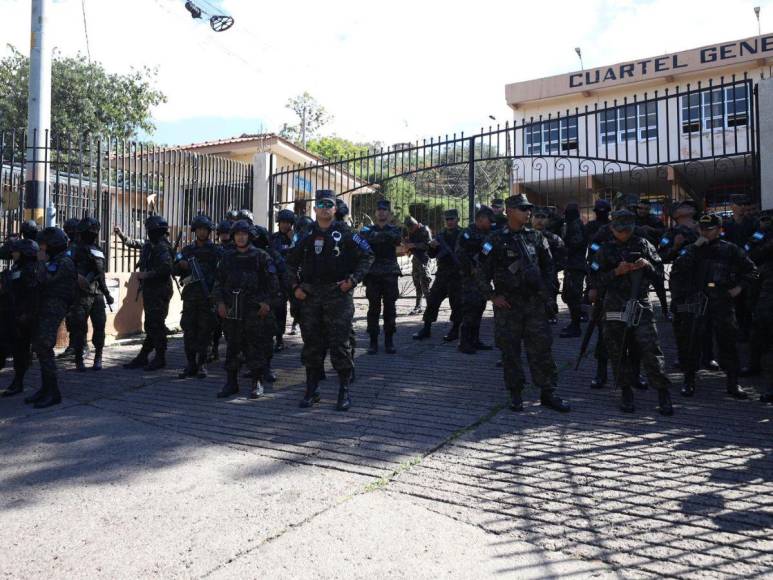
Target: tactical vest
(326,259)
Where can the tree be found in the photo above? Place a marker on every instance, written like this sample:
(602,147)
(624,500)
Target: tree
(85,98)
(311,118)
(335,147)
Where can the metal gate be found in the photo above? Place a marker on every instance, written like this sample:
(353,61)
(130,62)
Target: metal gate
(698,141)
(120,183)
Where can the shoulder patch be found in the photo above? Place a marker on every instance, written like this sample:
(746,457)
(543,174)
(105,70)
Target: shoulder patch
(361,242)
(365,229)
(486,248)
(595,247)
(664,241)
(52,267)
(466,235)
(97,253)
(683,252)
(747,247)
(595,266)
(179,256)
(758,235)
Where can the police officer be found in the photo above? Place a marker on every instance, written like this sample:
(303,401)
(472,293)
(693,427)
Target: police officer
(576,243)
(737,229)
(155,279)
(468,250)
(622,270)
(708,275)
(417,243)
(232,216)
(19,288)
(325,265)
(223,233)
(540,219)
(245,285)
(57,281)
(447,282)
(91,295)
(601,208)
(280,242)
(498,208)
(70,228)
(381,279)
(519,264)
(195,264)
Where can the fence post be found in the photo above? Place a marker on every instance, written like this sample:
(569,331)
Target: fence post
(261,177)
(765,134)
(471,183)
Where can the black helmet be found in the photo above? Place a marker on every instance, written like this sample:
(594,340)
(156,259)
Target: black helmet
(53,237)
(304,222)
(70,226)
(27,248)
(88,224)
(224,227)
(246,215)
(342,210)
(29,230)
(240,226)
(201,221)
(155,223)
(232,215)
(259,236)
(285,215)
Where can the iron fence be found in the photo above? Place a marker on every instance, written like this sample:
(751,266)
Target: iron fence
(120,183)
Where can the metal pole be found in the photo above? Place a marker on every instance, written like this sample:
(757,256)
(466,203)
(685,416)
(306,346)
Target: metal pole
(38,117)
(471,183)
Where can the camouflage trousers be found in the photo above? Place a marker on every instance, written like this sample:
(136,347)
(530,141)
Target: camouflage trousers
(326,324)
(420,275)
(446,285)
(50,317)
(381,289)
(526,323)
(155,305)
(87,307)
(198,323)
(252,336)
(718,323)
(642,341)
(473,303)
(21,331)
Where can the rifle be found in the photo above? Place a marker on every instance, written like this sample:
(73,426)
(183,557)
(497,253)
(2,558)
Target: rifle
(631,316)
(531,271)
(445,248)
(595,319)
(197,276)
(143,266)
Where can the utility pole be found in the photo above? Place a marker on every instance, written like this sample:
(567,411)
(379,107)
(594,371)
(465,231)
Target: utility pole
(38,118)
(303,126)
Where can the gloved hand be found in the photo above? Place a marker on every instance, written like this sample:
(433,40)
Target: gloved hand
(109,299)
(551,309)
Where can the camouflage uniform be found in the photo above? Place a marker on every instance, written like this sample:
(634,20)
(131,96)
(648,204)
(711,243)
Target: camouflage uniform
(381,280)
(198,318)
(576,242)
(468,250)
(521,269)
(420,262)
(705,273)
(447,283)
(281,245)
(617,291)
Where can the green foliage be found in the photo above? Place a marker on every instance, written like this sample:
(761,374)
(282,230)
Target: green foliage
(311,118)
(85,98)
(334,147)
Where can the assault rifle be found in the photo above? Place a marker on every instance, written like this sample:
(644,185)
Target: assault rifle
(631,315)
(595,319)
(197,276)
(445,249)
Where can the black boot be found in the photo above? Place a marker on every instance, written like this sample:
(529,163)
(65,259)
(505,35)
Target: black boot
(373,346)
(158,362)
(191,368)
(97,366)
(51,395)
(664,403)
(688,388)
(626,402)
(16,386)
(466,342)
(453,334)
(476,339)
(256,390)
(214,354)
(600,380)
(389,345)
(201,372)
(139,361)
(344,402)
(552,401)
(425,332)
(80,366)
(67,353)
(311,396)
(322,374)
(417,308)
(231,386)
(516,401)
(733,389)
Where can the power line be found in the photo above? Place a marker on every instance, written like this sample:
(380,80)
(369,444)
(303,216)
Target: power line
(86,28)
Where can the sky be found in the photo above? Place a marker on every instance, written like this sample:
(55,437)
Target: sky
(391,71)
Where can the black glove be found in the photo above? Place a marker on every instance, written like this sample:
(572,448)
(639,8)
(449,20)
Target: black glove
(109,299)
(551,309)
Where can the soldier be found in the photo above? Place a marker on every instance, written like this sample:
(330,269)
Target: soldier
(519,264)
(417,243)
(280,242)
(29,230)
(540,220)
(574,275)
(57,281)
(19,288)
(196,264)
(447,282)
(70,228)
(500,219)
(245,284)
(325,265)
(622,271)
(468,250)
(737,229)
(601,208)
(232,216)
(707,276)
(155,283)
(91,295)
(223,232)
(381,279)
(648,224)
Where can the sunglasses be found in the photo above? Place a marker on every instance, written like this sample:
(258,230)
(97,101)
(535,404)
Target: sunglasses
(325,204)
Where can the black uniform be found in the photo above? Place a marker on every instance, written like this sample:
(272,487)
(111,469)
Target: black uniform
(468,250)
(576,241)
(89,303)
(381,280)
(281,243)
(447,283)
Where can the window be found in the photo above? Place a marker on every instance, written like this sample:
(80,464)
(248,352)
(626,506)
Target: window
(629,122)
(551,137)
(712,109)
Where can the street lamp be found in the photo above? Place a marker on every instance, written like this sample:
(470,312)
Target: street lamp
(579,55)
(757,14)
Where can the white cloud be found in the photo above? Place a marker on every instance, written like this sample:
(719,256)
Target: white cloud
(391,71)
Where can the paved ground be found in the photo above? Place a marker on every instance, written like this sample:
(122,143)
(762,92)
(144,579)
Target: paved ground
(429,475)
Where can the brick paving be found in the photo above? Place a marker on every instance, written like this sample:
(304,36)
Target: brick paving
(689,495)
